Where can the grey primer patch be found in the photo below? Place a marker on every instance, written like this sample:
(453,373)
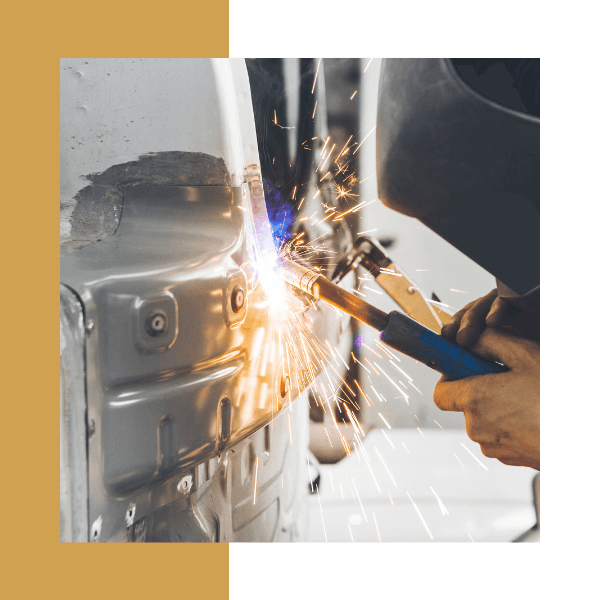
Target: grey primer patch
(98,206)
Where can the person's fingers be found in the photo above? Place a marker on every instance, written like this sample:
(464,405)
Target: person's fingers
(451,327)
(473,321)
(454,395)
(496,313)
(502,347)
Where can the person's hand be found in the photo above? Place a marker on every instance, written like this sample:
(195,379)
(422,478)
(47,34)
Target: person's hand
(490,311)
(502,411)
(468,323)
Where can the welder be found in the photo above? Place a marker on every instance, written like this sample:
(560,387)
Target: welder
(458,148)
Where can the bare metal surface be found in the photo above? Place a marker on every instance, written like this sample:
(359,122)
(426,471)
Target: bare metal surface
(160,412)
(73,430)
(222,505)
(156,408)
(193,406)
(130,121)
(95,211)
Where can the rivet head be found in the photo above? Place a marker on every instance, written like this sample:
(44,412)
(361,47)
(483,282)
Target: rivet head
(238,296)
(96,529)
(411,290)
(157,323)
(130,515)
(185,485)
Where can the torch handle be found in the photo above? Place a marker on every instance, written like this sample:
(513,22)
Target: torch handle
(397,330)
(413,339)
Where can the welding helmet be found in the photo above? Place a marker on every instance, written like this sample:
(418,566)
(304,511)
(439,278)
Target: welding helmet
(458,147)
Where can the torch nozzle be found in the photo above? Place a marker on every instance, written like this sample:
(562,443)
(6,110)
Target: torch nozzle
(321,288)
(299,276)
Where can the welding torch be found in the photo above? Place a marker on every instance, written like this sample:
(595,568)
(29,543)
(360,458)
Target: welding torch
(397,330)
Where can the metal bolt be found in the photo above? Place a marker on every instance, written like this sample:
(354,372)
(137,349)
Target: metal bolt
(185,485)
(411,289)
(130,514)
(284,386)
(96,528)
(157,323)
(238,297)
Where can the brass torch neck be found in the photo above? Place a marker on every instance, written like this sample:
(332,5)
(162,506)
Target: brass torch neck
(299,276)
(321,288)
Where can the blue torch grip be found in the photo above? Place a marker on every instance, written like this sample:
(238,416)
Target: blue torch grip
(413,339)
